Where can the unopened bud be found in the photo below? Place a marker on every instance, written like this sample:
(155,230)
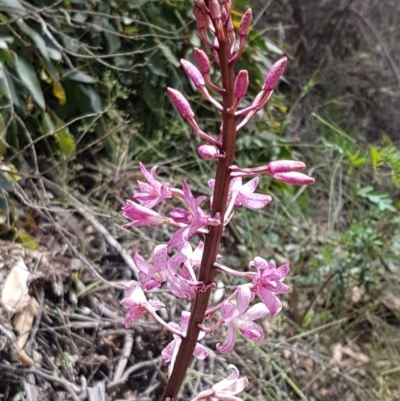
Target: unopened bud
(274,74)
(201,18)
(180,103)
(229,25)
(285,166)
(245,23)
(241,84)
(224,15)
(215,9)
(207,152)
(202,61)
(193,73)
(294,178)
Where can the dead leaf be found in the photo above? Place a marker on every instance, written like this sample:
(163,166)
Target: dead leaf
(391,301)
(24,358)
(337,353)
(15,296)
(357,356)
(23,322)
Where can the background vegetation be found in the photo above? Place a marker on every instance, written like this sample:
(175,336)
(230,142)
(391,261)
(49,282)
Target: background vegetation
(82,97)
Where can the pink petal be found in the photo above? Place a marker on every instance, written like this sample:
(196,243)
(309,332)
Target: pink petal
(156,305)
(244,298)
(282,288)
(185,317)
(272,302)
(257,311)
(150,177)
(229,311)
(229,343)
(253,201)
(231,385)
(281,272)
(175,262)
(160,255)
(201,352)
(179,238)
(143,265)
(167,351)
(250,186)
(252,331)
(148,282)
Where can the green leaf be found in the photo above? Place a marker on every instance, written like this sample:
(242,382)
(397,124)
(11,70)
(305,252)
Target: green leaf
(274,49)
(30,80)
(113,41)
(65,140)
(374,154)
(27,241)
(169,55)
(79,76)
(59,92)
(47,124)
(41,45)
(94,98)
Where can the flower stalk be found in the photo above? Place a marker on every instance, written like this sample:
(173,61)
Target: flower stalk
(189,273)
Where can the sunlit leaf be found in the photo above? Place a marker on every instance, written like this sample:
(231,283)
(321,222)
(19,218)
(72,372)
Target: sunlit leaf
(47,124)
(27,241)
(59,92)
(65,140)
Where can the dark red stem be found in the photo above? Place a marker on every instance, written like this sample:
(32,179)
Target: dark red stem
(213,238)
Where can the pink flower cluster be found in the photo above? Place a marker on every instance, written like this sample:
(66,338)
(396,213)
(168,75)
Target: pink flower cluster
(179,263)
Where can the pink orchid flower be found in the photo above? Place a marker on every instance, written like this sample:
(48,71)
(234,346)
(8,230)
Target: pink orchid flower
(180,280)
(138,304)
(140,215)
(244,195)
(153,275)
(193,256)
(195,218)
(170,352)
(153,192)
(268,281)
(226,389)
(238,317)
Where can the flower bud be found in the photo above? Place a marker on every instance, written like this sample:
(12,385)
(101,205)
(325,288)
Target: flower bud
(241,84)
(202,61)
(274,74)
(294,178)
(180,103)
(207,152)
(284,166)
(245,22)
(193,73)
(215,9)
(201,18)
